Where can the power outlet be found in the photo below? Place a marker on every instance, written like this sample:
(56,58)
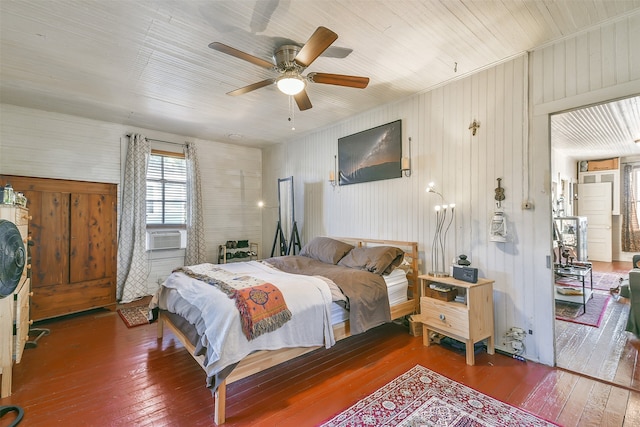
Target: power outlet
(527,204)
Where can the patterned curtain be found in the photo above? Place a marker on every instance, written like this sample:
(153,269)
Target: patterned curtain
(196,249)
(630,229)
(132,256)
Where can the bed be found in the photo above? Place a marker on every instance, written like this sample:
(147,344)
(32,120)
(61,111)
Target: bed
(335,287)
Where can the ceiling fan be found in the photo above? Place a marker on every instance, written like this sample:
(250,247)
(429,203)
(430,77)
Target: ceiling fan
(290,61)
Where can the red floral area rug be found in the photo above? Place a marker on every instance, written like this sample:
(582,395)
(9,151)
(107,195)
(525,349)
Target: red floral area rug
(596,307)
(134,316)
(421,397)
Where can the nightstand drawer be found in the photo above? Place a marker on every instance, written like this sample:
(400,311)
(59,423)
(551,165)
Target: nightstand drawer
(447,317)
(16,214)
(22,216)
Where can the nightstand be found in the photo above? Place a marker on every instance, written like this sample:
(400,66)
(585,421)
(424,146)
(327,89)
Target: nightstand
(466,316)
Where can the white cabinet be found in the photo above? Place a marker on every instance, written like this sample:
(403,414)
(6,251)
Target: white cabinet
(612,176)
(14,309)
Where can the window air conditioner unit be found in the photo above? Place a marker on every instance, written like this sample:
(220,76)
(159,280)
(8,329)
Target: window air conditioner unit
(159,240)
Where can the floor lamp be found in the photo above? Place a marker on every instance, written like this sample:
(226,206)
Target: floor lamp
(444,217)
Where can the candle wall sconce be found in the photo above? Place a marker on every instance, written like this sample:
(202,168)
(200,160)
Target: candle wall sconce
(406,162)
(333,180)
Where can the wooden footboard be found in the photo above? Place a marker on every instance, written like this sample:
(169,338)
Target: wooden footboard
(252,364)
(261,360)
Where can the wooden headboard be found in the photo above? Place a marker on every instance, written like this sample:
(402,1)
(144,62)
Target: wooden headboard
(411,257)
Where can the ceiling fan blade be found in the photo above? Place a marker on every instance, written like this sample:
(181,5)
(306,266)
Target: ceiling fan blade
(251,87)
(319,41)
(303,101)
(337,52)
(241,55)
(339,80)
(330,52)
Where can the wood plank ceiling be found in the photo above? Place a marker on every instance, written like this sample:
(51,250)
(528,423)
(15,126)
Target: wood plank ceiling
(147,64)
(600,131)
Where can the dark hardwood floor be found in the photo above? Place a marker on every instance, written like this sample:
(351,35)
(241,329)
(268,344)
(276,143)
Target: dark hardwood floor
(609,352)
(94,371)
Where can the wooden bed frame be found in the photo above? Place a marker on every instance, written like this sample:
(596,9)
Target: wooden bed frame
(261,360)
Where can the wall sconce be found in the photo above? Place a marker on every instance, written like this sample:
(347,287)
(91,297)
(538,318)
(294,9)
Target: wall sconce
(431,189)
(439,245)
(332,174)
(405,162)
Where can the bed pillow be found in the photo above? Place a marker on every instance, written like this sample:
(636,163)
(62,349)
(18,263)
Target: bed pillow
(325,249)
(376,259)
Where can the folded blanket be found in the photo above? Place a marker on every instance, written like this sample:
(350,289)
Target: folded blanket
(261,305)
(368,300)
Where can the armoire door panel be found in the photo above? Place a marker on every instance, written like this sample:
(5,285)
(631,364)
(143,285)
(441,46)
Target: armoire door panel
(50,249)
(91,251)
(59,300)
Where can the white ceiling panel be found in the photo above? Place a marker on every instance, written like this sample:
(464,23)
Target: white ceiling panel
(147,63)
(599,131)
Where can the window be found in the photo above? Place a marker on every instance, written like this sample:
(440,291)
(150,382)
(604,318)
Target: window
(166,189)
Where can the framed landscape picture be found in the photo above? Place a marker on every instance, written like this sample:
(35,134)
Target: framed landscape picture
(371,155)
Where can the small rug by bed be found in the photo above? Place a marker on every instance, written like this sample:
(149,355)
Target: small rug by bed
(134,316)
(596,307)
(421,397)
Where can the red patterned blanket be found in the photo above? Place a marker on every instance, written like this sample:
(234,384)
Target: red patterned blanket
(261,304)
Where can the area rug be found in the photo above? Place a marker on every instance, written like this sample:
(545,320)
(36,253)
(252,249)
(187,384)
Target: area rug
(571,312)
(421,397)
(601,281)
(134,316)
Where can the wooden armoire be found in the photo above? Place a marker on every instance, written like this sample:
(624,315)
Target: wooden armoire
(74,234)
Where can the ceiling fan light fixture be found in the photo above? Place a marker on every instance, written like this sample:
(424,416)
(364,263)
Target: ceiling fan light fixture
(290,84)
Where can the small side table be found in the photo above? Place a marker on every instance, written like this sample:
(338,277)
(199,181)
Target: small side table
(578,273)
(470,319)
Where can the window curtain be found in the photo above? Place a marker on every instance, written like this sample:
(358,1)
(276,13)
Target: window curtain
(196,249)
(132,256)
(630,229)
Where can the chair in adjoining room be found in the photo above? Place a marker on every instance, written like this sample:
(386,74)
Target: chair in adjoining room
(631,290)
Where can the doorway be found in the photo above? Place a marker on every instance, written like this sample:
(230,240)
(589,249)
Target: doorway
(601,131)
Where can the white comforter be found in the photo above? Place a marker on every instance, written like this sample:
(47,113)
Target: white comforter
(218,322)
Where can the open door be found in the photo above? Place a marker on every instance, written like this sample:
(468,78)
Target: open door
(594,202)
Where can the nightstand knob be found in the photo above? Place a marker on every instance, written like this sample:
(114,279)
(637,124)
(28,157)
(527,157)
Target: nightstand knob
(442,317)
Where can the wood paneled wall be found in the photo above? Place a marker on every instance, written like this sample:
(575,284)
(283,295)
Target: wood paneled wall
(512,143)
(597,65)
(594,66)
(46,145)
(231,188)
(43,144)
(464,168)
